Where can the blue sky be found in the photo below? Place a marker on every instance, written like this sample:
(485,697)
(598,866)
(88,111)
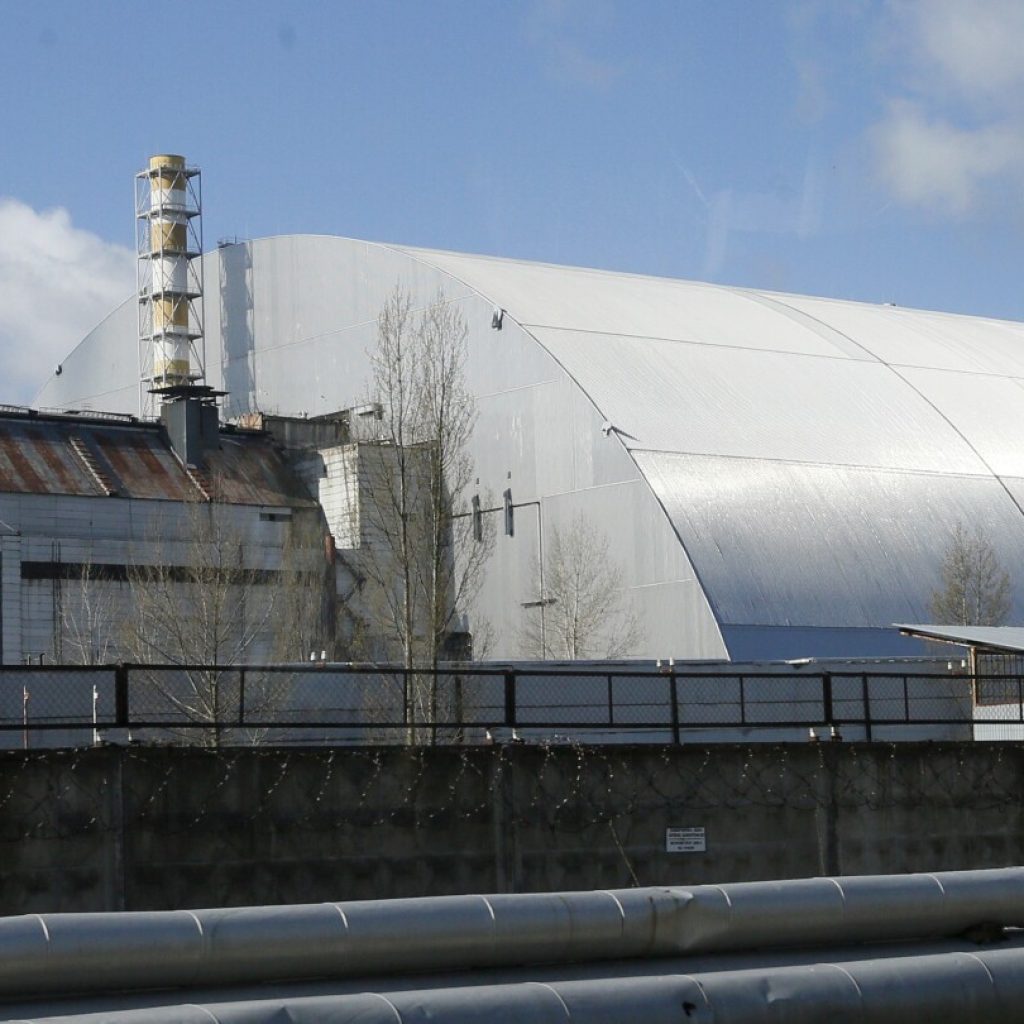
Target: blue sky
(867,150)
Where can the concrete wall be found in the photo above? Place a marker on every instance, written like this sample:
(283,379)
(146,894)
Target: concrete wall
(153,827)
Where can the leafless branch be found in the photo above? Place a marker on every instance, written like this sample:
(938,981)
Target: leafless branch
(585,612)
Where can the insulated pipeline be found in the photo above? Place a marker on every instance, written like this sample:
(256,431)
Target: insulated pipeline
(46,954)
(965,987)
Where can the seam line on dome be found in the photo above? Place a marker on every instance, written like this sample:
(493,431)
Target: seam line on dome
(962,436)
(959,473)
(796,316)
(700,344)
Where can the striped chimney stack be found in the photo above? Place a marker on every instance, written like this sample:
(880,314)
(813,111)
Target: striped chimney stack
(169,248)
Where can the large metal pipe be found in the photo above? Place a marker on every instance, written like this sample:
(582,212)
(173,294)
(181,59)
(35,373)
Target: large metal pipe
(43,954)
(92,952)
(970,988)
(865,908)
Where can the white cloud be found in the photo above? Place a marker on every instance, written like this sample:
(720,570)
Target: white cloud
(956,132)
(974,47)
(56,283)
(929,161)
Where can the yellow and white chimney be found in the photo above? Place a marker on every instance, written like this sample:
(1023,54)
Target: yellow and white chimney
(169,236)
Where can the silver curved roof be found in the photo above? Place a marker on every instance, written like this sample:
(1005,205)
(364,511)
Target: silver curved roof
(810,455)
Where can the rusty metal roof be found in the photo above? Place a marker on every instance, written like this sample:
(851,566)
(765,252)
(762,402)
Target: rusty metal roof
(54,454)
(248,469)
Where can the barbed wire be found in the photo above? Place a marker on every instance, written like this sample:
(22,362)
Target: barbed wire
(63,794)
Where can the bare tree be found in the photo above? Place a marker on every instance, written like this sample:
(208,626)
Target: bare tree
(305,613)
(582,612)
(975,589)
(420,555)
(90,607)
(215,606)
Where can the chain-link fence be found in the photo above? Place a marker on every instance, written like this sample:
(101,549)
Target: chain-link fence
(53,706)
(362,704)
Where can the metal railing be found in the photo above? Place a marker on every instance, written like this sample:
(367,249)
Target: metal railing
(52,705)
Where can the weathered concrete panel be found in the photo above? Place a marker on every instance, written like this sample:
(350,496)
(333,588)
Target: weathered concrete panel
(158,828)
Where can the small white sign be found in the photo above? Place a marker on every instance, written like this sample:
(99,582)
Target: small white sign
(685,840)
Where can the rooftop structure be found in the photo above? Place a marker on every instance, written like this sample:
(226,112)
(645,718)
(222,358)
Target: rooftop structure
(95,456)
(778,475)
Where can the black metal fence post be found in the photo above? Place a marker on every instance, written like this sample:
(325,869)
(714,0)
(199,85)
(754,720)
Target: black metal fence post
(241,697)
(460,725)
(121,696)
(434,704)
(434,685)
(673,695)
(826,698)
(510,699)
(865,691)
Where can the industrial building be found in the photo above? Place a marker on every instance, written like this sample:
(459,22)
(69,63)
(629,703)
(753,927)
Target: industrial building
(113,524)
(777,476)
(87,501)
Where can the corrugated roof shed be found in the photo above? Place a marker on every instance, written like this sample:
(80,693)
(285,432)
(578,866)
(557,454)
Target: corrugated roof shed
(993,638)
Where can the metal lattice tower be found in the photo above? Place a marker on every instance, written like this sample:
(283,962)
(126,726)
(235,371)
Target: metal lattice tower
(169,248)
